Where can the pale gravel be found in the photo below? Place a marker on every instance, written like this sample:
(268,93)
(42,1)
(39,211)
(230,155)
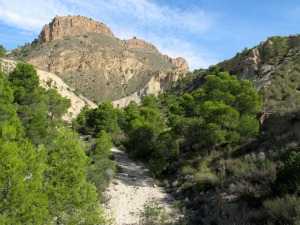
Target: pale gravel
(131,189)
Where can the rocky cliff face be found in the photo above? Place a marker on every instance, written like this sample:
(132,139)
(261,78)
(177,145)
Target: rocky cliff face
(252,64)
(140,45)
(62,26)
(87,56)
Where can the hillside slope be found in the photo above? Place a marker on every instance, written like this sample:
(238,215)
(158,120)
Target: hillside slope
(274,68)
(249,171)
(49,80)
(87,56)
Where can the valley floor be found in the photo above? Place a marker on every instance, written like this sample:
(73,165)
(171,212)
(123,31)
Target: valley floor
(131,189)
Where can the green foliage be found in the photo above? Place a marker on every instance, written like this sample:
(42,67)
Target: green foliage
(132,115)
(22,195)
(214,69)
(36,127)
(8,110)
(140,141)
(284,210)
(38,109)
(104,123)
(185,81)
(66,179)
(153,214)
(246,51)
(214,115)
(2,51)
(45,184)
(80,124)
(150,101)
(248,127)
(143,126)
(153,117)
(103,168)
(103,145)
(25,82)
(101,173)
(165,150)
(282,95)
(288,175)
(105,117)
(57,105)
(206,180)
(275,49)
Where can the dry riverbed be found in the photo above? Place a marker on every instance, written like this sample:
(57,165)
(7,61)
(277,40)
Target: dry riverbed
(131,189)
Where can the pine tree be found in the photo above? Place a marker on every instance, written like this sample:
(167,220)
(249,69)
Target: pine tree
(73,199)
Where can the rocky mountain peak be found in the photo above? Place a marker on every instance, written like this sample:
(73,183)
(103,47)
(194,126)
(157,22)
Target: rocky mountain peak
(62,26)
(179,62)
(87,56)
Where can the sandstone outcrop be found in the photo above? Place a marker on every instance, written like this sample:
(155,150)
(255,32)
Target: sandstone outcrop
(86,55)
(179,62)
(140,45)
(252,66)
(62,26)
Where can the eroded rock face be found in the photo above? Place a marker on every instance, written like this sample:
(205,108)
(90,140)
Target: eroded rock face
(87,56)
(252,66)
(158,83)
(179,62)
(62,26)
(140,45)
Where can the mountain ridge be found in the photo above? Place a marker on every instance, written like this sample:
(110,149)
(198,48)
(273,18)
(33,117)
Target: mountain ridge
(89,58)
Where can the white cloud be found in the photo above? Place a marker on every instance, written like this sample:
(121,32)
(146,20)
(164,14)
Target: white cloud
(30,15)
(127,18)
(197,57)
(157,16)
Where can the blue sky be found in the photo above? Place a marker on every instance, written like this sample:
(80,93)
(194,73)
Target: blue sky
(204,32)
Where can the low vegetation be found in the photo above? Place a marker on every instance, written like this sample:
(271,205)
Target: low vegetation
(153,214)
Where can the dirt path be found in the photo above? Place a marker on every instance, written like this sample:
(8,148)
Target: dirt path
(131,189)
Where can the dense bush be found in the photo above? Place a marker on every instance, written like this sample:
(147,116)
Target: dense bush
(275,49)
(288,175)
(284,210)
(2,51)
(103,168)
(223,112)
(42,164)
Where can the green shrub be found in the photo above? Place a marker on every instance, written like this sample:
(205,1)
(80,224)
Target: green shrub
(2,51)
(206,180)
(186,186)
(153,214)
(284,210)
(246,51)
(275,50)
(49,82)
(100,174)
(288,175)
(157,165)
(188,170)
